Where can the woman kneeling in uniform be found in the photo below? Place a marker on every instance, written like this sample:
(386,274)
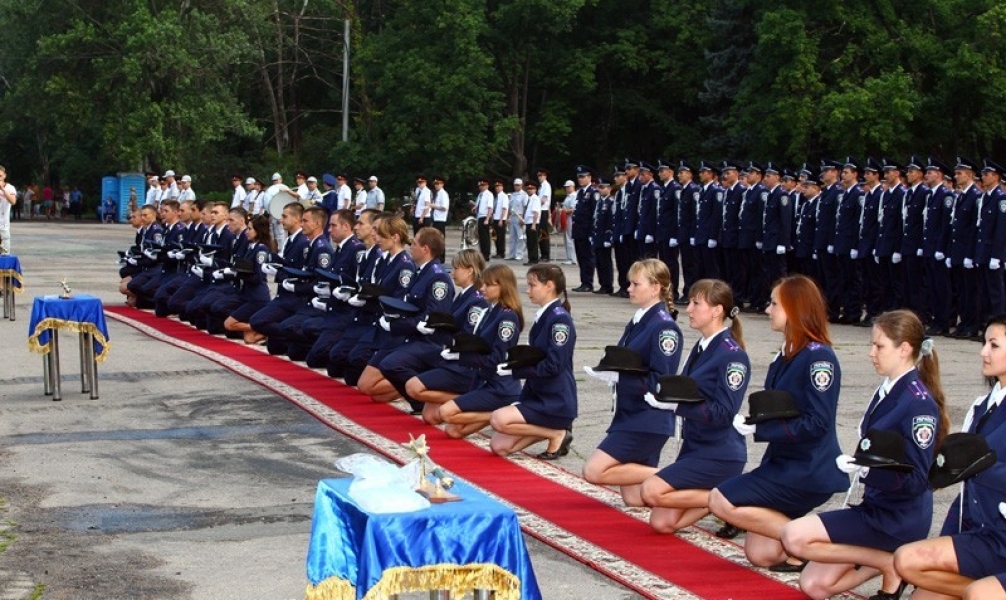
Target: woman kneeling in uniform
(547,405)
(712,451)
(850,546)
(631,451)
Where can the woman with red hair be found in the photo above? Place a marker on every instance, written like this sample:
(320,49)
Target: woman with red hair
(798,471)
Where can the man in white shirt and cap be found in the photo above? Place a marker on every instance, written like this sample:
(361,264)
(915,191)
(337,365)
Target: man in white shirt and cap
(518,202)
(8,198)
(238,197)
(185,191)
(278,233)
(313,193)
(568,206)
(375,195)
(172,192)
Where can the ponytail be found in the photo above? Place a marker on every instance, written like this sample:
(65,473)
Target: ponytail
(736,329)
(565,302)
(929,373)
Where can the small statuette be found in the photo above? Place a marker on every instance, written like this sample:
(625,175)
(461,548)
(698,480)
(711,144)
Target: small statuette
(435,491)
(67,292)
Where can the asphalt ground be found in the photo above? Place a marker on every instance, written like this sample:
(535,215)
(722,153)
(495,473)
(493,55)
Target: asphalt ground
(185,480)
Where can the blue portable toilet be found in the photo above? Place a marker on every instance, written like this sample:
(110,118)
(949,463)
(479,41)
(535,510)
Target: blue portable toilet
(110,189)
(132,186)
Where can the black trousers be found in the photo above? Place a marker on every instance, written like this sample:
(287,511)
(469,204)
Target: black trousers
(938,285)
(500,238)
(849,287)
(689,267)
(709,263)
(484,239)
(623,260)
(585,260)
(913,272)
(605,270)
(670,258)
(531,235)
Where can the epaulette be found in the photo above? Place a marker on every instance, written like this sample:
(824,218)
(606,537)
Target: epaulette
(815,346)
(918,390)
(731,344)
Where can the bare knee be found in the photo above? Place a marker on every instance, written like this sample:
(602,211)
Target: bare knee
(814,588)
(650,492)
(592,472)
(414,388)
(500,449)
(793,541)
(662,522)
(718,504)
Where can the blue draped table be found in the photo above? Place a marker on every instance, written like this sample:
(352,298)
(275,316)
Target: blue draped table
(11,282)
(81,314)
(474,544)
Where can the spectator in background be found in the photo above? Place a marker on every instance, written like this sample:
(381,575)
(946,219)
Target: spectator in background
(375,195)
(64,207)
(47,201)
(565,221)
(27,198)
(8,198)
(76,203)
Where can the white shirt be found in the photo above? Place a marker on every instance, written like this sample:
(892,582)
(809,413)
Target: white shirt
(441,206)
(484,205)
(375,198)
(254,201)
(314,196)
(704,342)
(518,202)
(302,191)
(153,194)
(185,195)
(532,211)
(172,191)
(542,310)
(345,196)
(361,201)
(238,199)
(9,190)
(422,202)
(545,194)
(501,207)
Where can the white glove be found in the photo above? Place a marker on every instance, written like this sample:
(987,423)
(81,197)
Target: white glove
(502,371)
(949,263)
(896,258)
(759,245)
(268,269)
(131,261)
(691,241)
(288,285)
(969,264)
(742,427)
(605,376)
(152,255)
(853,254)
(672,243)
(607,244)
(918,252)
(197,271)
(218,275)
(423,329)
(831,249)
(206,261)
(319,303)
(1002,509)
(355,301)
(780,250)
(652,401)
(876,259)
(172,254)
(814,256)
(939,256)
(384,323)
(339,295)
(323,290)
(994,264)
(845,465)
(621,239)
(446,354)
(711,243)
(648,239)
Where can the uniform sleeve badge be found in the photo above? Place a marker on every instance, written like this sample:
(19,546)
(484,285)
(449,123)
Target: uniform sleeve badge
(439,290)
(719,196)
(822,374)
(764,196)
(668,342)
(506,330)
(405,277)
(695,196)
(324,259)
(307,250)
(560,334)
(158,238)
(784,200)
(1002,206)
(473,315)
(359,255)
(735,375)
(948,202)
(597,196)
(924,430)
(261,257)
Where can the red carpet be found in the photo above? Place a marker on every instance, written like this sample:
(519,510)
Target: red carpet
(685,565)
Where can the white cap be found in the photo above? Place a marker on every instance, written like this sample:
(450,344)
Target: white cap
(373,178)
(249,181)
(169,174)
(312,179)
(569,183)
(276,176)
(518,181)
(186,178)
(154,178)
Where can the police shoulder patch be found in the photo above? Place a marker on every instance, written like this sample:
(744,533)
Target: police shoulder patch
(360,254)
(506,330)
(669,342)
(719,196)
(923,430)
(695,196)
(324,259)
(261,256)
(405,277)
(560,334)
(473,315)
(736,373)
(948,202)
(822,375)
(439,290)
(1002,206)
(158,238)
(784,200)
(597,196)
(862,200)
(307,250)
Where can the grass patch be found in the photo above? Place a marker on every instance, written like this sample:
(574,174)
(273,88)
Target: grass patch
(36,593)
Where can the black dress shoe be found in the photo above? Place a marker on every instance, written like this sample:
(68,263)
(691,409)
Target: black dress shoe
(848,320)
(603,291)
(567,439)
(934,331)
(787,567)
(882,595)
(728,531)
(623,293)
(584,288)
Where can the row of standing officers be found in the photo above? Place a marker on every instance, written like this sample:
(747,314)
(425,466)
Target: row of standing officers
(875,235)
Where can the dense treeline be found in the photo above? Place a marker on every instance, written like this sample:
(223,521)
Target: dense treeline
(466,87)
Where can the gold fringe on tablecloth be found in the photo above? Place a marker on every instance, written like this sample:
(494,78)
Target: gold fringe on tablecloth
(73,326)
(19,288)
(456,579)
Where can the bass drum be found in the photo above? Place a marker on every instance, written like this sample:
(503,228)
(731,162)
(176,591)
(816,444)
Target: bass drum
(278,196)
(469,233)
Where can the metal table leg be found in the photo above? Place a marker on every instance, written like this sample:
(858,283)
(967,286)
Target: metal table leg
(54,367)
(92,364)
(484,594)
(440,595)
(47,373)
(85,380)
